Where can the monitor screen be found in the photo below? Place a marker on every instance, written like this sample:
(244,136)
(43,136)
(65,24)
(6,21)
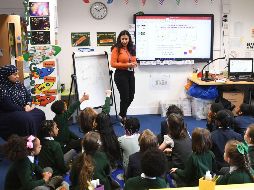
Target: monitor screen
(174,37)
(240,66)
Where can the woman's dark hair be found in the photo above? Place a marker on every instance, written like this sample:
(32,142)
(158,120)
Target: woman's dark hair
(224,119)
(132,125)
(215,107)
(90,144)
(130,45)
(245,109)
(174,109)
(110,144)
(58,106)
(153,162)
(86,119)
(238,159)
(16,148)
(201,140)
(47,126)
(146,140)
(176,126)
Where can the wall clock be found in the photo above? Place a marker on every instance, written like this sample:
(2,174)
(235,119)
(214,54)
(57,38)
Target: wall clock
(98,10)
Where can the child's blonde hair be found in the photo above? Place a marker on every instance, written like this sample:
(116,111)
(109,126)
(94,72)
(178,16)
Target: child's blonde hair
(86,119)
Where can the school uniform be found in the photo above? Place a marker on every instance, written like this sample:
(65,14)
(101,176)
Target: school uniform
(24,175)
(242,123)
(235,177)
(101,170)
(251,155)
(196,167)
(67,139)
(134,165)
(51,155)
(144,183)
(220,137)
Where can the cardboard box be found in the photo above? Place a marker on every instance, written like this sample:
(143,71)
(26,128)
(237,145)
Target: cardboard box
(236,98)
(206,184)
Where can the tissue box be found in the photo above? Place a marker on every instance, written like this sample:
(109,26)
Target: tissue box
(206,184)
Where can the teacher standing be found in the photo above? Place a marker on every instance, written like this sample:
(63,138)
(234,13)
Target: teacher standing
(123,58)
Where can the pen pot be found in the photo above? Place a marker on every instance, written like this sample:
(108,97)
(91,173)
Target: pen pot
(206,184)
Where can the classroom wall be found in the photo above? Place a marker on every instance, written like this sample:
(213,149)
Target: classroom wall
(74,16)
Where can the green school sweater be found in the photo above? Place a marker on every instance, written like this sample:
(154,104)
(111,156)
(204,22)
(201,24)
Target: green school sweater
(235,177)
(251,156)
(51,155)
(139,183)
(64,134)
(23,175)
(196,167)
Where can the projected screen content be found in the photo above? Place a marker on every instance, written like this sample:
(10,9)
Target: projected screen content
(240,66)
(169,37)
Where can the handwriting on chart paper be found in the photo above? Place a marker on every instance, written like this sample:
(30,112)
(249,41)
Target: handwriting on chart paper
(159,82)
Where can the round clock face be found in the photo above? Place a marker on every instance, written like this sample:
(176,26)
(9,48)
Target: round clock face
(98,10)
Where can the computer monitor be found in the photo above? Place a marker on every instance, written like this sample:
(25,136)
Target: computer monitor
(240,66)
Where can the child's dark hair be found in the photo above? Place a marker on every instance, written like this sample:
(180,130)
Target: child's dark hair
(110,144)
(47,126)
(86,119)
(16,148)
(174,109)
(238,158)
(146,140)
(90,144)
(176,126)
(132,125)
(58,106)
(245,109)
(201,140)
(215,107)
(153,162)
(225,118)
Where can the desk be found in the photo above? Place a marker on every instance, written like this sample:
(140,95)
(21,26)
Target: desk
(245,186)
(213,83)
(227,83)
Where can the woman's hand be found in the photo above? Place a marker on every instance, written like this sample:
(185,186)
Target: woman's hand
(132,64)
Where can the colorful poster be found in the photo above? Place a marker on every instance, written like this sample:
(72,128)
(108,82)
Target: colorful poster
(80,39)
(40,37)
(106,38)
(39,23)
(43,74)
(39,8)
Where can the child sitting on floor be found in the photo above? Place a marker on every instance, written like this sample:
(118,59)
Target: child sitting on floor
(24,173)
(249,139)
(88,115)
(67,139)
(154,165)
(51,154)
(129,141)
(236,156)
(200,161)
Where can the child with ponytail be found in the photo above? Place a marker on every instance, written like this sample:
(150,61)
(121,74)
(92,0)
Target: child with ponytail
(91,164)
(240,171)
